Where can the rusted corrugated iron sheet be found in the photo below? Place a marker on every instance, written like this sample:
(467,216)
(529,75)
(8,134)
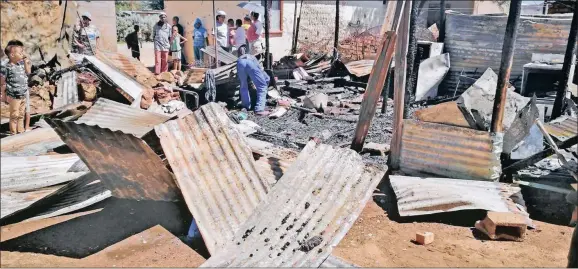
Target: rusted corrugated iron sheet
(125,164)
(307,212)
(475,42)
(130,66)
(77,194)
(449,151)
(423,196)
(35,172)
(360,68)
(215,170)
(563,128)
(36,142)
(66,90)
(120,117)
(11,202)
(126,85)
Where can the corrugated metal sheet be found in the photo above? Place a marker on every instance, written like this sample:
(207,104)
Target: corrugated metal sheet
(224,56)
(215,170)
(125,164)
(30,173)
(130,66)
(77,194)
(66,90)
(455,152)
(563,128)
(360,68)
(335,262)
(126,85)
(120,117)
(307,212)
(11,202)
(36,142)
(475,42)
(424,196)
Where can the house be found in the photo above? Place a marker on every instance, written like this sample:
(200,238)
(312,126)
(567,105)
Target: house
(317,24)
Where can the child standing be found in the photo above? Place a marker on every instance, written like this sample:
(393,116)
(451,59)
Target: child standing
(15,75)
(176,41)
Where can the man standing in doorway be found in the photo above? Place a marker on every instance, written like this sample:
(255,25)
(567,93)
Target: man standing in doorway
(161,35)
(182,33)
(133,43)
(222,31)
(85,37)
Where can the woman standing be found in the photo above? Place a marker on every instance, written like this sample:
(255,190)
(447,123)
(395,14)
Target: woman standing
(200,40)
(176,41)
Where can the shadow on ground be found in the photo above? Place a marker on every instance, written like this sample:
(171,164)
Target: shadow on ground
(88,234)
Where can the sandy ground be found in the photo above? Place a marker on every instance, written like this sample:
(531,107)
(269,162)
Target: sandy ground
(147,53)
(374,241)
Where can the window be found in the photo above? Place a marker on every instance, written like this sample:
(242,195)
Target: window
(276,15)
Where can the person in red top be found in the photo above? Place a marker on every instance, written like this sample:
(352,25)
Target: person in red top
(254,35)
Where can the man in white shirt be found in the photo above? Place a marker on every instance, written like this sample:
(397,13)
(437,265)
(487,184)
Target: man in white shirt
(222,31)
(240,38)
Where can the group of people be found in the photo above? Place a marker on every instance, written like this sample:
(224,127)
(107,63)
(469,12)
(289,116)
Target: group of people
(238,37)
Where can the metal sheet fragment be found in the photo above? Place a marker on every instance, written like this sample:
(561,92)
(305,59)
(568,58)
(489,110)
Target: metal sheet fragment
(35,172)
(455,152)
(66,90)
(563,128)
(308,211)
(35,142)
(120,117)
(125,164)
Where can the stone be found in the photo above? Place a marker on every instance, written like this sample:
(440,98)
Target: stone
(503,225)
(167,77)
(87,91)
(316,101)
(147,98)
(274,94)
(279,111)
(424,238)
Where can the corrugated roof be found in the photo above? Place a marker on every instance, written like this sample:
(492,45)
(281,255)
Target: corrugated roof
(66,90)
(307,212)
(30,173)
(130,66)
(120,117)
(224,56)
(11,202)
(424,196)
(126,85)
(36,142)
(563,128)
(125,164)
(215,170)
(449,151)
(360,68)
(77,194)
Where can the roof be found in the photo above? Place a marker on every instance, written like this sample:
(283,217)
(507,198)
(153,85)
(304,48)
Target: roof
(35,172)
(126,85)
(215,169)
(307,212)
(562,128)
(120,117)
(449,151)
(35,142)
(66,90)
(424,196)
(224,56)
(125,164)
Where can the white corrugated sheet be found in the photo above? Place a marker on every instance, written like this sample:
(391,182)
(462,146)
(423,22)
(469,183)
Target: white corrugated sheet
(424,196)
(66,90)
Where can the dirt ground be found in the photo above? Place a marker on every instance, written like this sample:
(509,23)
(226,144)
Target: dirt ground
(374,241)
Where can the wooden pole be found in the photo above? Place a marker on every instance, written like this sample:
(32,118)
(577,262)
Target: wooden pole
(399,85)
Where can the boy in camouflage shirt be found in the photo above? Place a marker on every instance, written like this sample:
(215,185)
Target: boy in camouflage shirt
(15,77)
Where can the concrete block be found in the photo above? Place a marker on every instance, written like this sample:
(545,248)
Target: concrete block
(424,238)
(503,225)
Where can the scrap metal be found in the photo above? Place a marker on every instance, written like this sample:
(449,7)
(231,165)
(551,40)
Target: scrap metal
(224,56)
(77,194)
(475,41)
(120,117)
(563,128)
(34,172)
(35,142)
(437,149)
(360,68)
(415,196)
(215,170)
(307,212)
(66,90)
(125,164)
